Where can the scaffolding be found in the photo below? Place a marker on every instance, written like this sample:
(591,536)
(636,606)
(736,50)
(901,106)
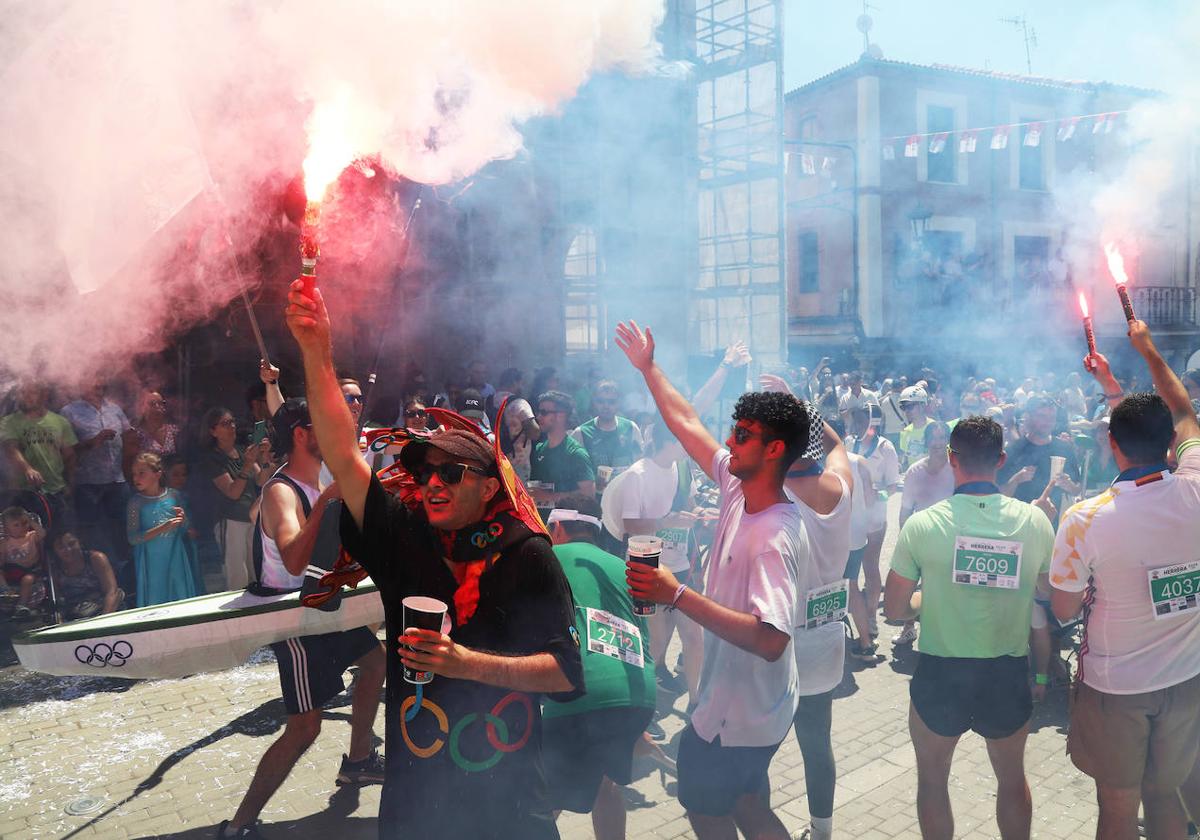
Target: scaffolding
(740,291)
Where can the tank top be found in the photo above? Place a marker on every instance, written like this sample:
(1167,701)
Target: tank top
(274,574)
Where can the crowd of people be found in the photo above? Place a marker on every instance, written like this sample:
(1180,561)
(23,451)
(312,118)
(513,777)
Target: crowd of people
(1028,508)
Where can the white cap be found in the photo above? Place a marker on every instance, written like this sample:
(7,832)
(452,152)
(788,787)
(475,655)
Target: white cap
(914,394)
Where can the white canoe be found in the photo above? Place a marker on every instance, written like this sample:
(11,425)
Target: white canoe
(177,639)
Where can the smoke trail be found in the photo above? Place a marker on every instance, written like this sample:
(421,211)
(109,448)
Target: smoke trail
(138,136)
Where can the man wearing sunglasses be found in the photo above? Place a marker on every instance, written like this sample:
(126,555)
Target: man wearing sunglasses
(463,752)
(759,564)
(558,459)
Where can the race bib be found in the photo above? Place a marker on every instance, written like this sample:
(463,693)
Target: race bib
(1173,589)
(994,564)
(614,637)
(674,547)
(826,604)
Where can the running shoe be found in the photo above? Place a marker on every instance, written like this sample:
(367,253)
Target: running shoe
(655,731)
(865,653)
(250,831)
(906,636)
(369,771)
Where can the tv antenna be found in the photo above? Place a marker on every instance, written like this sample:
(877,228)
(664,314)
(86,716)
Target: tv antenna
(864,24)
(1030,36)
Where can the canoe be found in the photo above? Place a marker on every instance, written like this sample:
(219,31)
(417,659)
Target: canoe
(177,639)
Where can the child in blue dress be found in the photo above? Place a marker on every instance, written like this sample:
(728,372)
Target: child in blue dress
(157,527)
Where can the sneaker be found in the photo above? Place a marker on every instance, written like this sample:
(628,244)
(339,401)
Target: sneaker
(655,731)
(672,683)
(250,831)
(369,771)
(864,653)
(906,636)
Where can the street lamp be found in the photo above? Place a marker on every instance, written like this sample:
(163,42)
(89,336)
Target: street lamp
(919,217)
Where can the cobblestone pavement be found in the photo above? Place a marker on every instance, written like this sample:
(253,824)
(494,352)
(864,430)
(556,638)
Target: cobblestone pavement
(173,758)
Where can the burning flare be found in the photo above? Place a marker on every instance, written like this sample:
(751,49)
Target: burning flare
(330,150)
(1116,264)
(1083,304)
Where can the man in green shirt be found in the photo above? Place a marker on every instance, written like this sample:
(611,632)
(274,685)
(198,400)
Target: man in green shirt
(588,744)
(40,446)
(559,464)
(979,555)
(610,440)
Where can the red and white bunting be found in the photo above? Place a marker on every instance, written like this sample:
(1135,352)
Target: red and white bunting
(808,164)
(889,151)
(966,142)
(1066,128)
(1103,124)
(1000,136)
(913,146)
(1033,135)
(937,143)
(827,166)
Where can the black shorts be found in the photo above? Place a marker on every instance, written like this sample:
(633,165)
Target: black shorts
(712,777)
(311,667)
(989,696)
(578,751)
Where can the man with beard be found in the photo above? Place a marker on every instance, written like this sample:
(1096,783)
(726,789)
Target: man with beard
(464,750)
(310,667)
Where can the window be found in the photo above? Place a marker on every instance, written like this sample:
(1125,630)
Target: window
(1031,175)
(941,166)
(1031,263)
(809,262)
(582,323)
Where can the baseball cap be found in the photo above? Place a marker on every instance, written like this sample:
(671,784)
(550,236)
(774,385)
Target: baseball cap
(461,444)
(293,413)
(914,394)
(470,404)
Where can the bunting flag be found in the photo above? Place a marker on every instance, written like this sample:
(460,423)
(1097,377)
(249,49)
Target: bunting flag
(889,151)
(937,143)
(1103,124)
(827,166)
(1033,135)
(1066,128)
(913,146)
(966,143)
(1000,137)
(807,164)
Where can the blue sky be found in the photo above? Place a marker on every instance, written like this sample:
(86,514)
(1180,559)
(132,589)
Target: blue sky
(1136,42)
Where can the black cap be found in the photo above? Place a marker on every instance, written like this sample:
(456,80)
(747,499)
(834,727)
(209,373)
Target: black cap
(470,404)
(293,413)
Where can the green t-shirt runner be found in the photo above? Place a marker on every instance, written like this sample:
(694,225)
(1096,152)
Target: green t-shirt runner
(565,465)
(617,447)
(617,667)
(978,559)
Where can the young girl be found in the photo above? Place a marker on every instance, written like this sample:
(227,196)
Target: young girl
(157,529)
(21,554)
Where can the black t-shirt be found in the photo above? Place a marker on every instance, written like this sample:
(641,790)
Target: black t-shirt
(446,776)
(1025,453)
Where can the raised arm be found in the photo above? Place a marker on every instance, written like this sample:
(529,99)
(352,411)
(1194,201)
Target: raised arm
(737,355)
(1097,365)
(308,321)
(1166,383)
(676,412)
(269,374)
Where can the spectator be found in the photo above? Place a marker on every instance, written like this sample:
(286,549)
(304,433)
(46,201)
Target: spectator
(414,415)
(256,403)
(611,441)
(230,478)
(100,489)
(21,553)
(1027,470)
(883,464)
(519,429)
(1074,402)
(856,397)
(41,448)
(472,406)
(84,580)
(558,459)
(894,420)
(914,403)
(152,432)
(157,529)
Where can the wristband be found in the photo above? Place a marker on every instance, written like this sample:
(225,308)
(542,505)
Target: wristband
(272,381)
(1041,679)
(678,594)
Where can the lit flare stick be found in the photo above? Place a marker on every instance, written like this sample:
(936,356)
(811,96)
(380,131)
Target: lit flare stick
(330,150)
(1116,267)
(1088,332)
(310,249)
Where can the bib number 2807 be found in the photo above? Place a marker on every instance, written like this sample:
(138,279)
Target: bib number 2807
(994,564)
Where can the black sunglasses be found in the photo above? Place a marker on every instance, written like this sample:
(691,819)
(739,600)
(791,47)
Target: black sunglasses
(448,473)
(414,413)
(353,398)
(741,434)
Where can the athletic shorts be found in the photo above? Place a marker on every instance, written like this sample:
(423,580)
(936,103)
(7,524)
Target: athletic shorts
(713,777)
(1126,740)
(578,751)
(311,667)
(989,696)
(854,564)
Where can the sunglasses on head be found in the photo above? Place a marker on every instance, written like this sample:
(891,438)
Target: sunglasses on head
(414,413)
(353,398)
(448,473)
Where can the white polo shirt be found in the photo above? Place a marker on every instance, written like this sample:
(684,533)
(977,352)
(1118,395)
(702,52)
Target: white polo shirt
(1114,542)
(759,564)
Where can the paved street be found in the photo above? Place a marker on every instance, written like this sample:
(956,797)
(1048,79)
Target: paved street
(173,758)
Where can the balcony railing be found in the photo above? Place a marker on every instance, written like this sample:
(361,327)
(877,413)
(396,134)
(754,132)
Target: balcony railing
(1165,306)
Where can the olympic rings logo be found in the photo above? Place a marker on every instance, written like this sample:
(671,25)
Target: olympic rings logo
(481,539)
(496,731)
(104,654)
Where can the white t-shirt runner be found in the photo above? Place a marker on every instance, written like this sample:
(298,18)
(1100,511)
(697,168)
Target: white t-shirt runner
(821,651)
(1139,544)
(760,564)
(884,466)
(646,491)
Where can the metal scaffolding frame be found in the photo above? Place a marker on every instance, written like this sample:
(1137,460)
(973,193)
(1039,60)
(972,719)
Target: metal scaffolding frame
(740,292)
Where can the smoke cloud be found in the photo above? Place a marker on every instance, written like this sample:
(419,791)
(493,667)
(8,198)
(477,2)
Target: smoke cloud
(146,145)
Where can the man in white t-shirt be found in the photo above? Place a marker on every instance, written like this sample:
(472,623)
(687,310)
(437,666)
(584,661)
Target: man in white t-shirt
(648,498)
(881,461)
(759,564)
(1129,559)
(856,396)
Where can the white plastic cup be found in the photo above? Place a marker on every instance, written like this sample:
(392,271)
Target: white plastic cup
(424,614)
(1057,464)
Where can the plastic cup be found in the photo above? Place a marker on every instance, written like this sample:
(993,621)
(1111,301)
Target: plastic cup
(604,474)
(647,551)
(1057,464)
(424,614)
